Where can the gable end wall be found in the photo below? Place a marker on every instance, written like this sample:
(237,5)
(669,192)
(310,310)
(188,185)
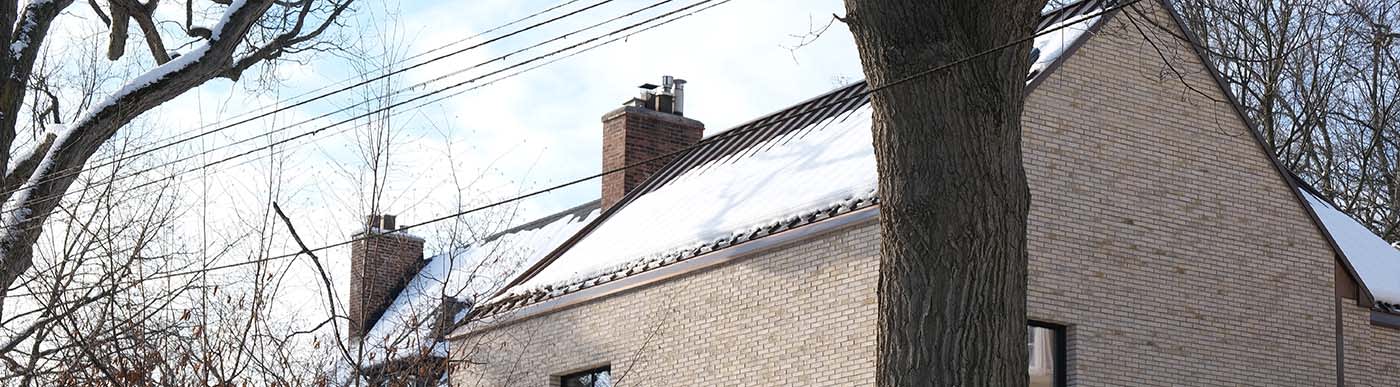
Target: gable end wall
(1160,230)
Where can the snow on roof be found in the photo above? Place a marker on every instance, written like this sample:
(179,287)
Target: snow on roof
(1053,44)
(465,275)
(813,156)
(827,162)
(1375,260)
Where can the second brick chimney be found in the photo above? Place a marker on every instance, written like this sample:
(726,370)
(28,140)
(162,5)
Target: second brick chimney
(380,265)
(645,128)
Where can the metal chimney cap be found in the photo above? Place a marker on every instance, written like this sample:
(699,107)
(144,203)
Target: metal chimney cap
(648,86)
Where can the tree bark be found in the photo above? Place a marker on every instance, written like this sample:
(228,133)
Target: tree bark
(952,288)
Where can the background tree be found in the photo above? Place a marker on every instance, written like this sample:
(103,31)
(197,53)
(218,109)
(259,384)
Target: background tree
(1321,79)
(87,303)
(954,200)
(247,34)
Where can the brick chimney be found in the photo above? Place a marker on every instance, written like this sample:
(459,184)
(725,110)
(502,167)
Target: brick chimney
(644,128)
(380,266)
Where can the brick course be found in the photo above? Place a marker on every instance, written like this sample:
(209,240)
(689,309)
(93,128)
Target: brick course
(803,314)
(1160,234)
(1372,352)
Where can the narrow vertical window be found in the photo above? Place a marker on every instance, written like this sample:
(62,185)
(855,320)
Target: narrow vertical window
(598,377)
(1046,343)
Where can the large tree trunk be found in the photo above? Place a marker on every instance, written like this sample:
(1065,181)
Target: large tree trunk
(952,289)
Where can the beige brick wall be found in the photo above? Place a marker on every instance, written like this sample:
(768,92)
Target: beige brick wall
(1372,352)
(800,315)
(1160,234)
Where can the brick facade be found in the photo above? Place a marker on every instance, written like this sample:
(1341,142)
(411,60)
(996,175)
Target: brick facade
(801,315)
(379,268)
(632,135)
(1160,235)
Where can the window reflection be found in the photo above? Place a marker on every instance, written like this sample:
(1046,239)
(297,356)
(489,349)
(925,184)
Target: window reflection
(1045,356)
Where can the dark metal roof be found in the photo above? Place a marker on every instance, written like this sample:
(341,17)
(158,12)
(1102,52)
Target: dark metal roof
(739,141)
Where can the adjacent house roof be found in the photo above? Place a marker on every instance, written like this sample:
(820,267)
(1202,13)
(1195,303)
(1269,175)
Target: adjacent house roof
(802,164)
(465,275)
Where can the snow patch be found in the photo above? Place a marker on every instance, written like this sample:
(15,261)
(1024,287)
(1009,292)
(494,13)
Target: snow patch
(1053,44)
(1375,261)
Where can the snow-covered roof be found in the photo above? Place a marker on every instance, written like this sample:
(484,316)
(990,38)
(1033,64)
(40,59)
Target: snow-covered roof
(795,166)
(829,161)
(1375,261)
(465,275)
(1065,25)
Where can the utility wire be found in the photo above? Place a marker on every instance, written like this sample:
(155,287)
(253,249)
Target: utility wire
(706,141)
(379,77)
(491,82)
(369,113)
(273,145)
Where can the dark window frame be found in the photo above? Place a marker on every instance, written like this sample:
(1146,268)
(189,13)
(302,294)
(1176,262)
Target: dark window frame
(588,372)
(1061,366)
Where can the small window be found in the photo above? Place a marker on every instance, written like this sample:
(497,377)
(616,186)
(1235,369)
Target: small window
(1046,343)
(599,377)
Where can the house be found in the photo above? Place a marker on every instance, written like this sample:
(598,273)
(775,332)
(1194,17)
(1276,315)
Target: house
(1167,246)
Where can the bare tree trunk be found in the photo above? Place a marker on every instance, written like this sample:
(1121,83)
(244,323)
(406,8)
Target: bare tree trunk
(952,289)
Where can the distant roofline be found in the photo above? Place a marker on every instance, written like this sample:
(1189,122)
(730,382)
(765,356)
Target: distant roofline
(579,212)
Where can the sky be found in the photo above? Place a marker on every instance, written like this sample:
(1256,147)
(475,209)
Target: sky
(542,127)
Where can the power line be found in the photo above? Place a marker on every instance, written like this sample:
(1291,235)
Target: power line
(507,76)
(372,112)
(596,38)
(341,90)
(518,198)
(836,102)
